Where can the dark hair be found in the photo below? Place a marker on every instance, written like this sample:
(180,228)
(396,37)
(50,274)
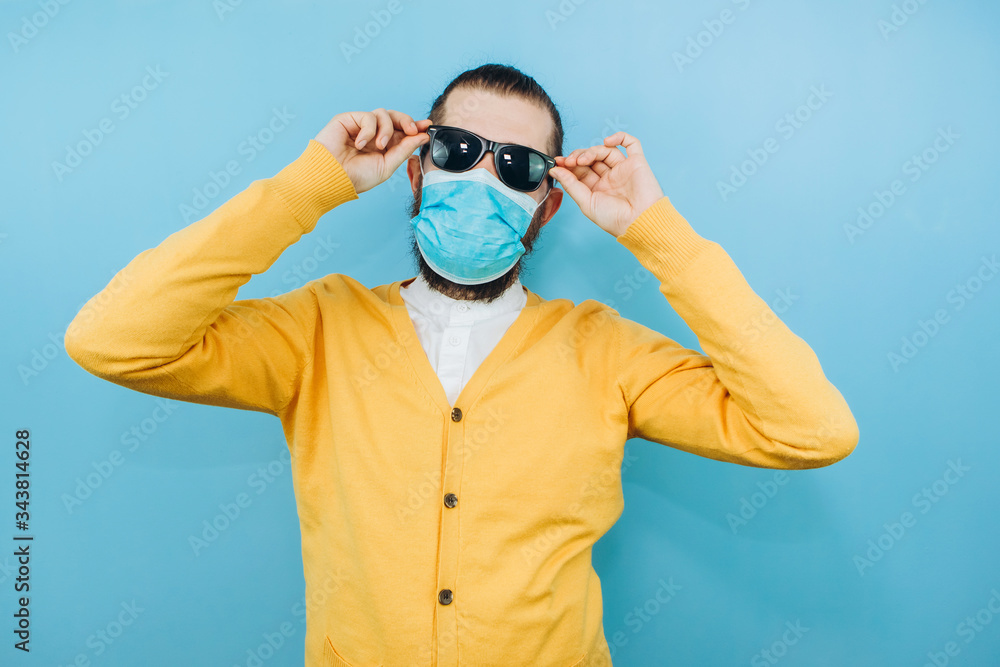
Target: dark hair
(502,80)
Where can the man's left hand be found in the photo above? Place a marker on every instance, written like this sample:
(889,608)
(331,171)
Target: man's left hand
(610,188)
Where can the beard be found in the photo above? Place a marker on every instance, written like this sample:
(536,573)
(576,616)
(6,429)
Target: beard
(485,292)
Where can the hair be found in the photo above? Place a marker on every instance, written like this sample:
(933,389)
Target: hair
(502,80)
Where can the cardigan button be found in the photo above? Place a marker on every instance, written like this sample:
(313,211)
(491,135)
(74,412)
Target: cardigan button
(456,415)
(450,500)
(445,596)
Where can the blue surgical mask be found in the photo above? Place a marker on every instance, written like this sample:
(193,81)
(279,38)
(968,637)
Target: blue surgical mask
(470,224)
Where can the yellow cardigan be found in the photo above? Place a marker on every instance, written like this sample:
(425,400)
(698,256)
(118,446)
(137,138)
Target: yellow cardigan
(445,535)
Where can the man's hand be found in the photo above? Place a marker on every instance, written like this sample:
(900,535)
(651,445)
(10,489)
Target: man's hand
(370,145)
(610,188)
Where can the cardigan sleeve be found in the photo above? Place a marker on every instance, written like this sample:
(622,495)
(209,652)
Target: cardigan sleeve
(167,324)
(757,396)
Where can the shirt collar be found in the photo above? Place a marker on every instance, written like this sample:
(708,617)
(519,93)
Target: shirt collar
(420,296)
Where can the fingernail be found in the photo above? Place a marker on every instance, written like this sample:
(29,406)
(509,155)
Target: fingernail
(361,144)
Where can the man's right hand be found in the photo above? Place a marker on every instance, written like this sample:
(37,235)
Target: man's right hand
(370,145)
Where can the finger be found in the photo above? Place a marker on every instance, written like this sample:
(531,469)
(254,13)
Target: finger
(577,190)
(367,124)
(353,123)
(576,157)
(404,129)
(406,123)
(583,173)
(601,158)
(402,121)
(630,143)
(600,168)
(586,175)
(405,148)
(399,136)
(385,128)
(609,155)
(588,159)
(573,156)
(419,127)
(422,125)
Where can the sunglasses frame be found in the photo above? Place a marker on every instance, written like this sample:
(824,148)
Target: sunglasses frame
(495,147)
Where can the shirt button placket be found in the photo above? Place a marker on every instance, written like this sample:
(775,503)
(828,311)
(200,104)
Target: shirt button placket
(447,613)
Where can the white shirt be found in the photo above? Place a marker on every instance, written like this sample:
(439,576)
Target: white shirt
(458,335)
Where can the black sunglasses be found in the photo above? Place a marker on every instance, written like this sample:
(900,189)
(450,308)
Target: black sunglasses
(519,167)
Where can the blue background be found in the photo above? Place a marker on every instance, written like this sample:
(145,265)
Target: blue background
(608,66)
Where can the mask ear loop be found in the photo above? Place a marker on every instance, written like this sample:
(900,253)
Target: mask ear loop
(551,188)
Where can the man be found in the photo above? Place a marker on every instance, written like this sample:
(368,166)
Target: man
(456,440)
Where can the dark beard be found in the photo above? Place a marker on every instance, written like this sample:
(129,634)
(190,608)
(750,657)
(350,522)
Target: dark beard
(485,292)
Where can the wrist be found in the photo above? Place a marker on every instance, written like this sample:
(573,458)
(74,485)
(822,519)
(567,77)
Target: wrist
(313,184)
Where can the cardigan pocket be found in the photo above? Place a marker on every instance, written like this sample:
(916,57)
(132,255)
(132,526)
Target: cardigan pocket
(332,659)
(582,662)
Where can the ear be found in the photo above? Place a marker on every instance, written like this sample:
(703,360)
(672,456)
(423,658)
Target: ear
(413,173)
(551,205)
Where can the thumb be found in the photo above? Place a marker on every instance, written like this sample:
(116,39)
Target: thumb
(572,185)
(405,148)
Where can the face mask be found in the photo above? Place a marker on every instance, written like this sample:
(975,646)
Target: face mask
(470,224)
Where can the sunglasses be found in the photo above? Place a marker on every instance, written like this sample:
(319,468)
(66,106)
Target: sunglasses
(519,167)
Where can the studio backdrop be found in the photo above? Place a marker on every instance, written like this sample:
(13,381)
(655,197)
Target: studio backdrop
(843,154)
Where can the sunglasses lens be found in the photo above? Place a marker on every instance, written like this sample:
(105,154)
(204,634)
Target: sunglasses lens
(521,168)
(454,150)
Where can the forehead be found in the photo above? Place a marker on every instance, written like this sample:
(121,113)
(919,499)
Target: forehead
(507,119)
